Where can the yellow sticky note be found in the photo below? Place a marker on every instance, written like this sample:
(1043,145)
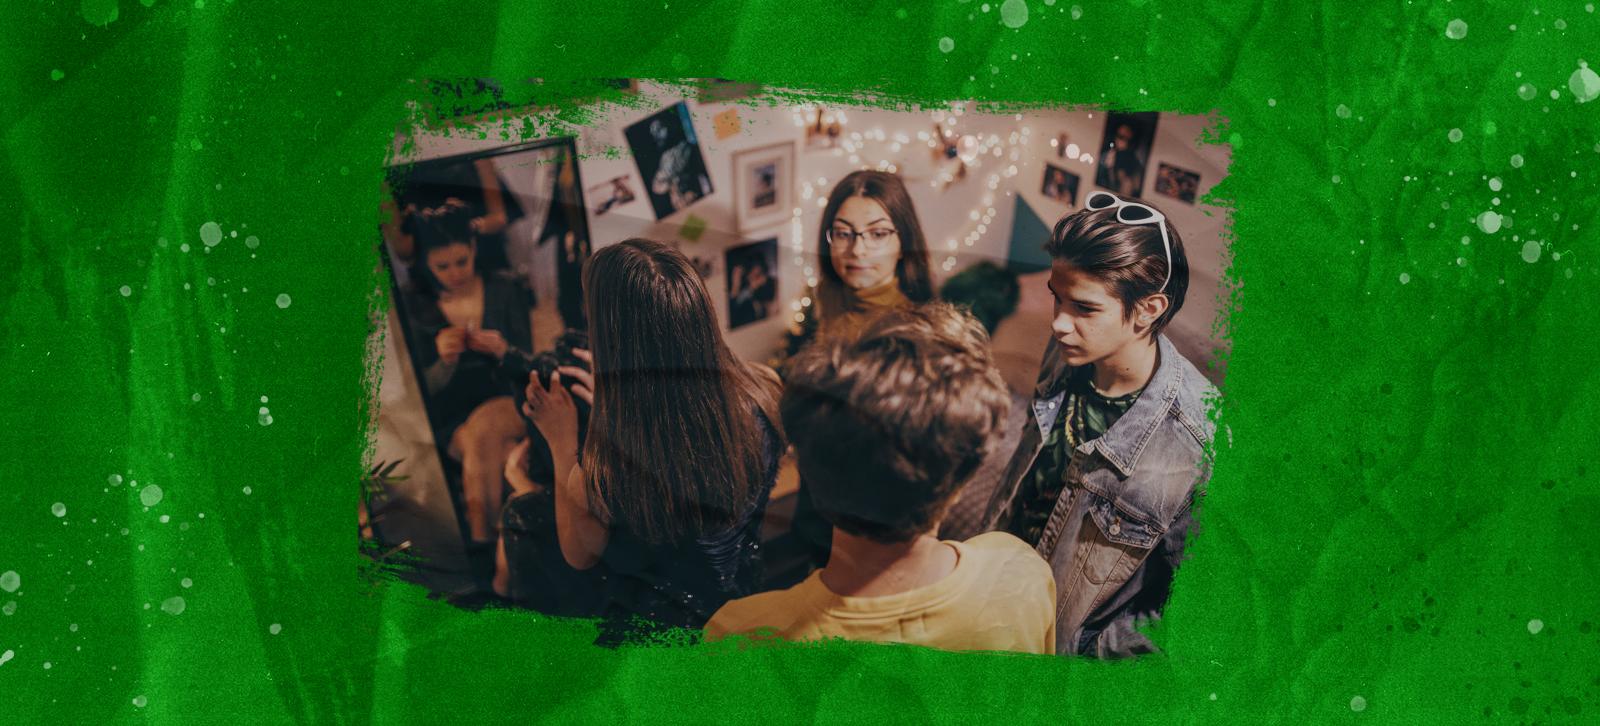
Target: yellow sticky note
(726,123)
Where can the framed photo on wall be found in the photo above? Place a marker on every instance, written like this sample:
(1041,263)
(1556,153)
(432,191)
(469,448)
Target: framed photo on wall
(763,186)
(752,282)
(1180,184)
(1125,152)
(1060,184)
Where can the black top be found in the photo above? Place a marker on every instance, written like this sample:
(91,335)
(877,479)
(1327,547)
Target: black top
(637,588)
(452,395)
(682,585)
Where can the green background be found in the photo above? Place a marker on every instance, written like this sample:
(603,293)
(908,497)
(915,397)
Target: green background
(1401,522)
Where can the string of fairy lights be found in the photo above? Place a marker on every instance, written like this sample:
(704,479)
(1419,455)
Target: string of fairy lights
(963,155)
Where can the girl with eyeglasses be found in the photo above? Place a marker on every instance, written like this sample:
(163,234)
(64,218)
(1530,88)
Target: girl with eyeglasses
(873,256)
(1113,455)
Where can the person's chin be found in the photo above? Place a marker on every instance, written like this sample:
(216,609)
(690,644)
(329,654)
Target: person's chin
(864,279)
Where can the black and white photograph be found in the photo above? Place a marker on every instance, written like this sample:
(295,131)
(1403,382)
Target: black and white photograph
(1060,184)
(752,282)
(1125,152)
(763,185)
(1180,184)
(667,152)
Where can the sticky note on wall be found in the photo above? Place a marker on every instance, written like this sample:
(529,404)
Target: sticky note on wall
(692,229)
(726,124)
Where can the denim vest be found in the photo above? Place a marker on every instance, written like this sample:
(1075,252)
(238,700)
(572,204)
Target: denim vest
(1117,529)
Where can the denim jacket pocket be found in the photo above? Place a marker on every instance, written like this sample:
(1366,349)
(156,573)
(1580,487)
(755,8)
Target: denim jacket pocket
(1112,547)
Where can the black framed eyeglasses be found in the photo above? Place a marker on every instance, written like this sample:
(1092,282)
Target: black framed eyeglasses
(875,239)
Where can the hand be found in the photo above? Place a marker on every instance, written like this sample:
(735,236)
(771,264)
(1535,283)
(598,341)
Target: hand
(582,380)
(488,341)
(517,469)
(450,342)
(553,413)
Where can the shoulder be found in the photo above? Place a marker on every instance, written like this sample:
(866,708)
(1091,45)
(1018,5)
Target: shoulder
(1003,549)
(1009,564)
(1196,397)
(775,610)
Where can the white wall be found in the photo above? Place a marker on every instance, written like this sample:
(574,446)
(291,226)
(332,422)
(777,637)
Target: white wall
(1024,143)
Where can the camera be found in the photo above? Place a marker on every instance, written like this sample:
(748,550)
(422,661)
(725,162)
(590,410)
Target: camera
(519,368)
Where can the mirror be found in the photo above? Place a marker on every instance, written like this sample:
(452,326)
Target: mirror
(485,252)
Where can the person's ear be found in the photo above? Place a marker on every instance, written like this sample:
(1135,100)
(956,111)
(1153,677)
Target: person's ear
(1150,309)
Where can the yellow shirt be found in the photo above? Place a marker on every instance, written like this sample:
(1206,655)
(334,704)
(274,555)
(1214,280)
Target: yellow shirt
(1001,596)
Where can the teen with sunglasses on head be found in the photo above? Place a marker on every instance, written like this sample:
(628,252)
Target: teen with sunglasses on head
(665,497)
(1115,451)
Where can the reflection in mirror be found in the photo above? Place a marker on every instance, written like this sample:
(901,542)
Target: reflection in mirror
(486,252)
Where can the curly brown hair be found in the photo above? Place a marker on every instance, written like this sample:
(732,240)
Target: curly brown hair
(888,424)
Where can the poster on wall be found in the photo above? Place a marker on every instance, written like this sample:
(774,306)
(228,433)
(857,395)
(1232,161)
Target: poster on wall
(1180,184)
(611,194)
(1060,184)
(763,185)
(752,282)
(668,155)
(1125,152)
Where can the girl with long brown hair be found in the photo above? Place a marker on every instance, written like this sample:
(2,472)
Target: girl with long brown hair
(871,252)
(668,490)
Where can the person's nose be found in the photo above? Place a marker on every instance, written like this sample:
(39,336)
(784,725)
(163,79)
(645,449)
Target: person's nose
(1061,325)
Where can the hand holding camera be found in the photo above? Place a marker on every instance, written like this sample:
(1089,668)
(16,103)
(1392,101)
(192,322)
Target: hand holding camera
(451,342)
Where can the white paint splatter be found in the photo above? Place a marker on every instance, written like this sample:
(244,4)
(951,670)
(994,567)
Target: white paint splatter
(1454,135)
(1494,184)
(1358,704)
(274,628)
(150,495)
(140,701)
(10,581)
(210,233)
(174,605)
(1014,13)
(1342,111)
(125,290)
(1489,222)
(58,509)
(946,44)
(1535,625)
(1584,84)
(1456,29)
(8,655)
(283,300)
(1530,252)
(1405,278)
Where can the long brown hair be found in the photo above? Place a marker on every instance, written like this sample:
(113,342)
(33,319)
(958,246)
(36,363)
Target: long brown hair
(913,270)
(675,449)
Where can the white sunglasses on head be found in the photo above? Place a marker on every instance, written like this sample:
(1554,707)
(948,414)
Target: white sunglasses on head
(1134,213)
